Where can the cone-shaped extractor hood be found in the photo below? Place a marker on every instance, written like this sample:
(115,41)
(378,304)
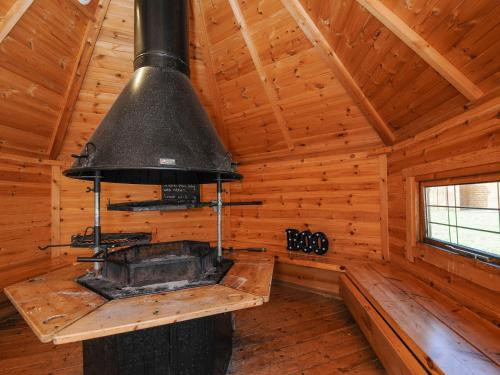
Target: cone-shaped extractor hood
(157,131)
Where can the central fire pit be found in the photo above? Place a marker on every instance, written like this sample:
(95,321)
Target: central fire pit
(158,267)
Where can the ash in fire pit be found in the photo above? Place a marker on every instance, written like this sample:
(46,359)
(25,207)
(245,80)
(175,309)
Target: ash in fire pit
(159,267)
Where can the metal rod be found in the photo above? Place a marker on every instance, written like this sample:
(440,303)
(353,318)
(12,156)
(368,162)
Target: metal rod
(89,260)
(462,227)
(464,207)
(219,219)
(97,218)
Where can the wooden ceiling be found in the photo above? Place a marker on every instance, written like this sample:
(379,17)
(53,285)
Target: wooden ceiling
(277,77)
(37,59)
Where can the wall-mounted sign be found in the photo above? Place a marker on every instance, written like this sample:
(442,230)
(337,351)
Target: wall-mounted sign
(181,194)
(306,241)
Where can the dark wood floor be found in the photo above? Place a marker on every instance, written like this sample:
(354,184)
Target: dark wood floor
(297,332)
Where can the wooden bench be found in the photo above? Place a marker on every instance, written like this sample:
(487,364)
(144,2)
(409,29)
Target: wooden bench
(414,329)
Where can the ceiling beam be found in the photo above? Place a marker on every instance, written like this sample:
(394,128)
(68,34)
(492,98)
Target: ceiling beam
(268,87)
(211,81)
(422,48)
(329,56)
(14,14)
(77,76)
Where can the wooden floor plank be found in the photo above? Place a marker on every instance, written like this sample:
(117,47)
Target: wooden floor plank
(320,340)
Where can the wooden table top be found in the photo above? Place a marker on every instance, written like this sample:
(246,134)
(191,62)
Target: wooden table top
(59,309)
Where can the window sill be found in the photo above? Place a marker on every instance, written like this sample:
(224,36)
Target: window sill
(474,270)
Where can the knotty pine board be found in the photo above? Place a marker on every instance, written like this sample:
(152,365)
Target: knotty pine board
(252,273)
(146,311)
(318,113)
(26,212)
(449,351)
(409,94)
(337,196)
(36,61)
(52,301)
(477,130)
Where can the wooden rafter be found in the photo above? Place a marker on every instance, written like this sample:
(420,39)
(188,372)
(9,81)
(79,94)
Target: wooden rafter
(14,14)
(327,53)
(422,48)
(268,88)
(77,76)
(211,82)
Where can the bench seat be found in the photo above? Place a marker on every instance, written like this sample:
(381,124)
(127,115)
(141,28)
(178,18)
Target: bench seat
(414,329)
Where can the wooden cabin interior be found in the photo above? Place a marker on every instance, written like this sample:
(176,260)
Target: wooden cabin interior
(371,124)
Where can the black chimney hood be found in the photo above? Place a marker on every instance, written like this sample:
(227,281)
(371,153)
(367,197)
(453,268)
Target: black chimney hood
(157,131)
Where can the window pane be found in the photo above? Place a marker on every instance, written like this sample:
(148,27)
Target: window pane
(454,235)
(432,195)
(483,195)
(478,219)
(453,215)
(465,215)
(442,196)
(439,232)
(489,242)
(451,195)
(438,215)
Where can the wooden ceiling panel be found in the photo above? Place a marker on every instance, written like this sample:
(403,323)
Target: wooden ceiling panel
(220,21)
(20,91)
(277,36)
(323,112)
(231,58)
(260,73)
(242,94)
(464,32)
(21,60)
(36,60)
(256,11)
(299,73)
(247,115)
(254,132)
(392,76)
(5,5)
(312,101)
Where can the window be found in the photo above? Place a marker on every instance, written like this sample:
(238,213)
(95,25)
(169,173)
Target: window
(463,217)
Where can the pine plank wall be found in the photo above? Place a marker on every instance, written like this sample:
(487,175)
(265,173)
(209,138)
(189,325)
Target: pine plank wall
(25,192)
(463,145)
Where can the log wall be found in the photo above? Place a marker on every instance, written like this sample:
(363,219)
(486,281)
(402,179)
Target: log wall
(25,222)
(26,214)
(338,195)
(465,145)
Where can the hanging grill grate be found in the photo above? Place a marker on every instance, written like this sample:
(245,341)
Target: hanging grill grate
(108,240)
